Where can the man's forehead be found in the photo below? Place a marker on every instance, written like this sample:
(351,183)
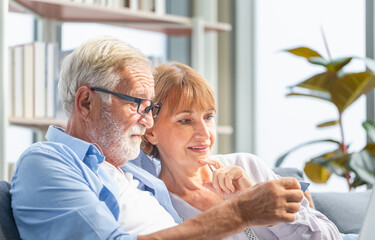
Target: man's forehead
(141,86)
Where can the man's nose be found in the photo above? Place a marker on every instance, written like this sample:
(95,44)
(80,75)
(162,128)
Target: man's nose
(147,120)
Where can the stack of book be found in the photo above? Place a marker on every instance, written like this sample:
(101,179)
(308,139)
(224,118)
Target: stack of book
(33,75)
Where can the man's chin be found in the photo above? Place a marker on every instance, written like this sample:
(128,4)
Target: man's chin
(133,155)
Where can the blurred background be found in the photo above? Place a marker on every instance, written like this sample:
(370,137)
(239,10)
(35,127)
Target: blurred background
(245,64)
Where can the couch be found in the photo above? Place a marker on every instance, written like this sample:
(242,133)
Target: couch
(346,210)
(8,229)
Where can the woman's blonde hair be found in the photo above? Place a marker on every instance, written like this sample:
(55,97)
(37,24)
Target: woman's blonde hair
(180,88)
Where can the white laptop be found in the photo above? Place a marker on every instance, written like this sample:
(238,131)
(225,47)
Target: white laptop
(368,227)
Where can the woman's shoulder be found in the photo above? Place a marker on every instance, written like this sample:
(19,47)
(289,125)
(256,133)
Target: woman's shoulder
(238,159)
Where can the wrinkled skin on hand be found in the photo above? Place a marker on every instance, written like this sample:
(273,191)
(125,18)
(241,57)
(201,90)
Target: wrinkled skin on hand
(269,203)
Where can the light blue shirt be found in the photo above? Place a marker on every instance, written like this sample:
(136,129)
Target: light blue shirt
(59,191)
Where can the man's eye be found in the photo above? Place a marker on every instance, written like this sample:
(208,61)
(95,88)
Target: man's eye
(134,105)
(184,121)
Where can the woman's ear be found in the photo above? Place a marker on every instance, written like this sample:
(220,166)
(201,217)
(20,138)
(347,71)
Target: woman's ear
(150,136)
(84,104)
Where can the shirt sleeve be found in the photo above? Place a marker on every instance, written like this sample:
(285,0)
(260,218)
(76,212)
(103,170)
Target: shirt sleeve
(52,198)
(309,223)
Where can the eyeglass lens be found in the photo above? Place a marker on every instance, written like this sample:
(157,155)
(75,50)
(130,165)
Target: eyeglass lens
(144,107)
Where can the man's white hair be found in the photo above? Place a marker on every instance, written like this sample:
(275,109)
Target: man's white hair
(98,62)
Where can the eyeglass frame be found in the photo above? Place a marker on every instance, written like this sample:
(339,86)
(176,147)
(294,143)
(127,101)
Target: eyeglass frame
(139,101)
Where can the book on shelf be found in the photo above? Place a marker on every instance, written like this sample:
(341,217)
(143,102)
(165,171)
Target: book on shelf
(39,61)
(131,4)
(160,7)
(146,5)
(52,76)
(118,4)
(17,82)
(28,80)
(11,96)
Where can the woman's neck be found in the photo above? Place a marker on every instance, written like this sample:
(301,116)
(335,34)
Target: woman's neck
(188,185)
(180,180)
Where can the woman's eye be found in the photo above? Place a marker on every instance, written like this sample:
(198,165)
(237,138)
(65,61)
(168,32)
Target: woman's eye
(184,121)
(209,116)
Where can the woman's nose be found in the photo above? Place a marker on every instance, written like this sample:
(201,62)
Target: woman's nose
(202,130)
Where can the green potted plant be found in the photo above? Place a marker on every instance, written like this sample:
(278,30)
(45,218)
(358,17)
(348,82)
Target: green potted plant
(335,86)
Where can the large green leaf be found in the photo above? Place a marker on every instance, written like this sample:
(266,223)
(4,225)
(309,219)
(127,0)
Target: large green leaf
(369,126)
(350,87)
(357,182)
(320,82)
(311,93)
(281,159)
(334,161)
(316,173)
(304,52)
(370,147)
(328,124)
(338,165)
(337,64)
(363,164)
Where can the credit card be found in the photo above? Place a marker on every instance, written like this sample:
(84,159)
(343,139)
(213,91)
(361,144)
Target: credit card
(304,185)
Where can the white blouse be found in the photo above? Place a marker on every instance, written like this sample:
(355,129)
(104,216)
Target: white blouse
(309,223)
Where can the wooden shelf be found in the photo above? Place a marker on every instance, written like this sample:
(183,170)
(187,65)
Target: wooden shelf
(67,11)
(42,124)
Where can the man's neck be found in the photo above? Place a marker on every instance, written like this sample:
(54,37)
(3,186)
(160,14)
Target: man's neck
(117,167)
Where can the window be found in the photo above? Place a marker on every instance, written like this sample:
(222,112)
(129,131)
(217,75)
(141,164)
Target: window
(284,122)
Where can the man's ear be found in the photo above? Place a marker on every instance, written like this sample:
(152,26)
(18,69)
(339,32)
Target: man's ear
(84,103)
(150,136)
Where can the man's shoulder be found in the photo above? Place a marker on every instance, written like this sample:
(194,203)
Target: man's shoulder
(40,153)
(46,148)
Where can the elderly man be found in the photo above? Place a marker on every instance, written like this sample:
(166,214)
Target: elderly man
(61,188)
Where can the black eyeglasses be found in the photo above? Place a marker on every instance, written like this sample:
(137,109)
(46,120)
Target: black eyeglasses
(144,105)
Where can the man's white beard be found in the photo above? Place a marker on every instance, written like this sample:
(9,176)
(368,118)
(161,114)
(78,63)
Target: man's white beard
(112,137)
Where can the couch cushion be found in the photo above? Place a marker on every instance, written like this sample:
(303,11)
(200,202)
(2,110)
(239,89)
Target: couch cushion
(347,210)
(289,172)
(8,228)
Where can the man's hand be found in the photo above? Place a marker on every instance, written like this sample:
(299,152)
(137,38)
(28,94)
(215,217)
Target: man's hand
(229,180)
(266,203)
(270,203)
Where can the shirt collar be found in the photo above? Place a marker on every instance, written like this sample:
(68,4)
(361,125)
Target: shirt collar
(80,147)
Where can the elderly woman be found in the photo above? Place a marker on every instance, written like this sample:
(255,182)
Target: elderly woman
(182,138)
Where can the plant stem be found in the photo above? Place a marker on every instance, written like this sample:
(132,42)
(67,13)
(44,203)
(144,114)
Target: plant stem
(343,145)
(325,43)
(344,149)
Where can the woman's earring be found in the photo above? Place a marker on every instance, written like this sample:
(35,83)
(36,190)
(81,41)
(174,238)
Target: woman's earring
(154,143)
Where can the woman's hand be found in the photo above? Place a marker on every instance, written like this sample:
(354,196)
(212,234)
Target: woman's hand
(228,180)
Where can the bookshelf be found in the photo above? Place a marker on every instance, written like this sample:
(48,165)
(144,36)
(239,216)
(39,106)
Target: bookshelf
(61,11)
(68,11)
